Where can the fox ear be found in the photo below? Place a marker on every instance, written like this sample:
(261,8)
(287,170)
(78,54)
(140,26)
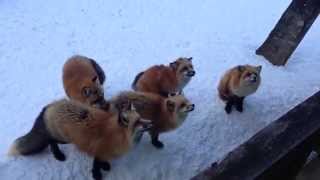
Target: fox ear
(125,106)
(259,68)
(132,108)
(170,106)
(94,79)
(86,92)
(174,65)
(240,68)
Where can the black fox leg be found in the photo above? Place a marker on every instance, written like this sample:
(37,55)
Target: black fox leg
(155,140)
(228,107)
(239,104)
(105,166)
(97,166)
(164,94)
(57,152)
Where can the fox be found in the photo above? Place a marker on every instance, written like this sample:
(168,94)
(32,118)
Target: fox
(165,113)
(104,135)
(163,79)
(83,80)
(238,83)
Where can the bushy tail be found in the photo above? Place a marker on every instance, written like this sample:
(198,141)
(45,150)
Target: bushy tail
(33,142)
(133,86)
(99,70)
(28,144)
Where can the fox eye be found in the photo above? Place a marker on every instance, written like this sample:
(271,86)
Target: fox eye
(183,105)
(184,69)
(94,78)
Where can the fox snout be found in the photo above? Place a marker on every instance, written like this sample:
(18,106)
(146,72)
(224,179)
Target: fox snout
(190,107)
(191,73)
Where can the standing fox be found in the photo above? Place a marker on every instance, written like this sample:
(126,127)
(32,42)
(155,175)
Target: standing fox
(164,80)
(83,79)
(166,114)
(105,135)
(237,83)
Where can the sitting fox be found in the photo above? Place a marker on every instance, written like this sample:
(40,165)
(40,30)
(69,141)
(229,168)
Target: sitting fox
(237,83)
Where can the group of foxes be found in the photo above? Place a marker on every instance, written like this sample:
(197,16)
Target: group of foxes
(107,129)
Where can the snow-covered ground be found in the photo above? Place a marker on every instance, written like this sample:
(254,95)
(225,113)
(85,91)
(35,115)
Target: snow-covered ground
(125,37)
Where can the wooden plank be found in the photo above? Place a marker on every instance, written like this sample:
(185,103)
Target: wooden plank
(289,31)
(288,139)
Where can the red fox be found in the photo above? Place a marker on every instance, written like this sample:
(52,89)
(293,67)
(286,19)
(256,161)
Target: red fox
(237,83)
(166,114)
(105,135)
(164,80)
(83,79)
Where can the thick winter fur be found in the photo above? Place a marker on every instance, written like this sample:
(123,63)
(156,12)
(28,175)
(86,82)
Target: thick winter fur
(166,114)
(163,79)
(105,135)
(237,83)
(83,79)
(33,142)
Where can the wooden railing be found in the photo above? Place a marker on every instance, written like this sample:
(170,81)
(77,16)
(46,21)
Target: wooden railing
(277,152)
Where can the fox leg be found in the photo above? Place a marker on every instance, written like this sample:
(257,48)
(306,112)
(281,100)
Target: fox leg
(57,152)
(155,139)
(164,94)
(229,105)
(97,166)
(239,104)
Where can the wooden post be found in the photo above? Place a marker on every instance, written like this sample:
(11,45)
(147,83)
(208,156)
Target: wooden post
(289,31)
(277,152)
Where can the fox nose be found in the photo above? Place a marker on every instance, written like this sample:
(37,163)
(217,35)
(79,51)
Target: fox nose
(254,79)
(191,107)
(191,73)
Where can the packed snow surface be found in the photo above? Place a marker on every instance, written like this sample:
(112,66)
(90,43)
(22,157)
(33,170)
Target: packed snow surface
(126,37)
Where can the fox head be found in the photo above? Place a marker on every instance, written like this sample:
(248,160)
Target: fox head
(249,75)
(130,118)
(179,104)
(184,70)
(92,91)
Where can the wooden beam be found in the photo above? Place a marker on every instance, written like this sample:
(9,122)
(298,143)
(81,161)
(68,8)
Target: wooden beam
(276,152)
(289,31)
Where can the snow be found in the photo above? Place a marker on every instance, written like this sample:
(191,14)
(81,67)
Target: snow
(125,37)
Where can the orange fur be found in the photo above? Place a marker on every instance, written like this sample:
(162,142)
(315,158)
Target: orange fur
(232,81)
(153,107)
(78,73)
(162,79)
(92,130)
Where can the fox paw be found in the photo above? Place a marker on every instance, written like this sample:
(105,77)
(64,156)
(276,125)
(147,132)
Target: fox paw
(96,174)
(106,166)
(60,156)
(239,108)
(158,144)
(228,109)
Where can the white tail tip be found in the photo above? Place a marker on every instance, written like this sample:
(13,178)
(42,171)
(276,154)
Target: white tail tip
(13,151)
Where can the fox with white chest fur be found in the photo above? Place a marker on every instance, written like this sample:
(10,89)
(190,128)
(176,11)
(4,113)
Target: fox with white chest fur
(166,113)
(238,83)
